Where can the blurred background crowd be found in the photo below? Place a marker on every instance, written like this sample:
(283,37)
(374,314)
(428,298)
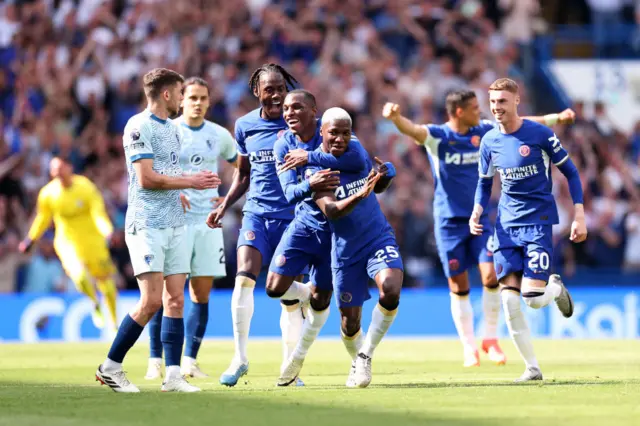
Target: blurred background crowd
(70,77)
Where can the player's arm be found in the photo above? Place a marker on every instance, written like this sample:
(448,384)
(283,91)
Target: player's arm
(568,116)
(99,212)
(560,158)
(483,190)
(387,172)
(40,224)
(407,127)
(335,209)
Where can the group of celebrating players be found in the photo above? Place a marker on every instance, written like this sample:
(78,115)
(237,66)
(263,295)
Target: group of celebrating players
(311,209)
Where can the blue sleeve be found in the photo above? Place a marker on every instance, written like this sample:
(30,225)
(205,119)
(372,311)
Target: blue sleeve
(485,166)
(242,148)
(483,192)
(353,160)
(570,171)
(293,191)
(552,146)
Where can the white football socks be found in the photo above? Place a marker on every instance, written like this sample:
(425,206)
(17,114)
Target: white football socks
(109,366)
(291,322)
(538,297)
(311,329)
(491,311)
(353,343)
(381,320)
(518,328)
(297,291)
(241,313)
(462,314)
(173,372)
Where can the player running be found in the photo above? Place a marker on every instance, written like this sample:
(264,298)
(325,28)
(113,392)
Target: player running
(521,151)
(307,240)
(82,229)
(267,213)
(363,247)
(453,154)
(203,142)
(155,232)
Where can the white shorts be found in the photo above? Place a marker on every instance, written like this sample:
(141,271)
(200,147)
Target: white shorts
(206,249)
(158,250)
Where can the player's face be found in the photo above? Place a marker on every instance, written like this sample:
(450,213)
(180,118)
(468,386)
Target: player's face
(470,114)
(271,93)
(173,97)
(336,135)
(298,114)
(59,169)
(196,101)
(503,104)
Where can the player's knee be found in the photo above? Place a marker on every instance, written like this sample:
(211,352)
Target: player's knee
(173,301)
(273,292)
(390,294)
(490,279)
(149,306)
(200,297)
(320,301)
(350,325)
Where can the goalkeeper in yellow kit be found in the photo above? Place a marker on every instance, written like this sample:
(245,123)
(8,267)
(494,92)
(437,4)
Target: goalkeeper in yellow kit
(82,229)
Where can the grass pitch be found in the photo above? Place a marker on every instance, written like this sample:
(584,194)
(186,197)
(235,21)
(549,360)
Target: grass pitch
(415,382)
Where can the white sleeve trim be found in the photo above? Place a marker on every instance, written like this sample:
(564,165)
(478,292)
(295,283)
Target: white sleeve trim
(561,162)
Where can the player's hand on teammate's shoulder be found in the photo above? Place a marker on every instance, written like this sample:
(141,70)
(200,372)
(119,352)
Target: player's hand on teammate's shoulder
(568,116)
(391,111)
(186,204)
(474,223)
(205,180)
(324,180)
(578,230)
(295,158)
(214,219)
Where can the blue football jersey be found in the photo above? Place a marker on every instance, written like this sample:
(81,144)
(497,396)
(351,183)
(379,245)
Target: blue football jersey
(256,137)
(353,234)
(523,160)
(454,163)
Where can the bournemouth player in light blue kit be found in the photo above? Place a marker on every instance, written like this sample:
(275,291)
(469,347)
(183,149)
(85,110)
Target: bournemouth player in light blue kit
(155,231)
(307,240)
(267,213)
(522,152)
(453,150)
(363,247)
(203,144)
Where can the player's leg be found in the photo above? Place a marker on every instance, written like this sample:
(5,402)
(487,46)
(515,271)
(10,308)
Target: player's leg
(252,241)
(102,269)
(351,332)
(462,313)
(154,367)
(207,262)
(77,271)
(482,250)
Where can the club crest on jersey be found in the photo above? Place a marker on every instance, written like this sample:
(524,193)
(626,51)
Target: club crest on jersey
(524,150)
(346,297)
(148,258)
(174,157)
(281,260)
(308,173)
(249,236)
(454,264)
(475,140)
(196,159)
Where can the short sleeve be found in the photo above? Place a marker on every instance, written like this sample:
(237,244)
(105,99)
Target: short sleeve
(554,148)
(486,168)
(435,135)
(228,149)
(240,142)
(137,142)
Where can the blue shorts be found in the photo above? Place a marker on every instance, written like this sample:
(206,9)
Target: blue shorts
(262,233)
(351,282)
(458,248)
(524,249)
(300,247)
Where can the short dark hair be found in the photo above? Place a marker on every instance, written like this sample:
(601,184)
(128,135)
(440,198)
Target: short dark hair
(254,80)
(198,82)
(156,80)
(458,99)
(308,96)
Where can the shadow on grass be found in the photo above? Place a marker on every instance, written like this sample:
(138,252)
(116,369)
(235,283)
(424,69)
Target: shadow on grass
(43,404)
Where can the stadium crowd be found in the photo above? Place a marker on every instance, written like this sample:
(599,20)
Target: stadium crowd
(70,77)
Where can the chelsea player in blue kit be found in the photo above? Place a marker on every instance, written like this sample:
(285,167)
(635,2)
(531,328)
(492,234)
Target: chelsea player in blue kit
(522,152)
(267,213)
(453,150)
(363,247)
(203,143)
(307,240)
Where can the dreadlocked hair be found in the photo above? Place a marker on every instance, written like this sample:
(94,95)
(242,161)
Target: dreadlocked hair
(254,80)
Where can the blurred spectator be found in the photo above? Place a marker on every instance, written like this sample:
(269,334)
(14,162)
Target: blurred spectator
(44,272)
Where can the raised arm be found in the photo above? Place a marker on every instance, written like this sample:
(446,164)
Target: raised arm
(335,209)
(568,116)
(407,127)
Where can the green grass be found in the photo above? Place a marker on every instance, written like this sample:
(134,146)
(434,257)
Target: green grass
(414,383)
